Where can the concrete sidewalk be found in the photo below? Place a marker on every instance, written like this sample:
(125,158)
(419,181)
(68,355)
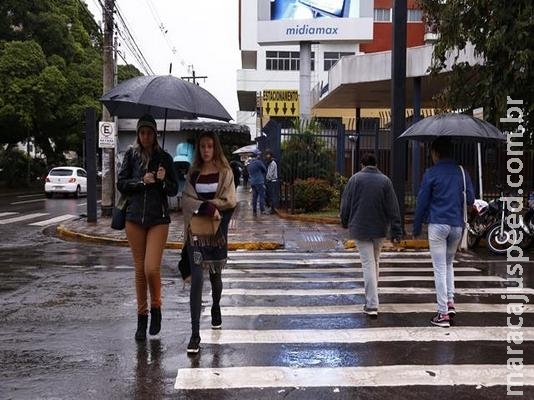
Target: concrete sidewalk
(247,232)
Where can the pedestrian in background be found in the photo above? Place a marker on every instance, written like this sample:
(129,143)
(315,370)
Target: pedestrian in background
(369,209)
(209,191)
(237,167)
(256,172)
(147,177)
(272,194)
(440,203)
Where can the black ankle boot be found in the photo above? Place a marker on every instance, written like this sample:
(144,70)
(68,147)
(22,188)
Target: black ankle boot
(155,321)
(142,322)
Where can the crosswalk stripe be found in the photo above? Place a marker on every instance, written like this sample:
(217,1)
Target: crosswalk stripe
(232,270)
(53,220)
(476,375)
(327,261)
(5,214)
(354,291)
(363,335)
(21,218)
(389,278)
(396,308)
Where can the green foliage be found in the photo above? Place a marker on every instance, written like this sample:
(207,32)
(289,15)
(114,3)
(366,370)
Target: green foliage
(50,72)
(502,33)
(18,170)
(337,191)
(305,154)
(312,194)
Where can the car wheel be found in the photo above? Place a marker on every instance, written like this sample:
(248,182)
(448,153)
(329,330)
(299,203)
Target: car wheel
(77,193)
(48,195)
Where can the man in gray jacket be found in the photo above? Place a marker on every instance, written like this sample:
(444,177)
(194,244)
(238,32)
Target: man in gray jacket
(369,209)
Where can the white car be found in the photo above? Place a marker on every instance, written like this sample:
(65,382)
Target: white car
(66,180)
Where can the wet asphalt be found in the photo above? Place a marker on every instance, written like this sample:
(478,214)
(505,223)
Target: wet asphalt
(66,330)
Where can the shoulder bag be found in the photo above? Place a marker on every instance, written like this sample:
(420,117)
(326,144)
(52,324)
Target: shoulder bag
(463,242)
(118,214)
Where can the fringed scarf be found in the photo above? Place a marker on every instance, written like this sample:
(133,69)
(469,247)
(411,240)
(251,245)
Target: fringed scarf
(209,251)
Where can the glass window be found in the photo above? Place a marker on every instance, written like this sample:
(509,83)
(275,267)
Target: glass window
(414,15)
(332,57)
(382,14)
(285,60)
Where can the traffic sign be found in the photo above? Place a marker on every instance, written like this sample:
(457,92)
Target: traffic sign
(106,135)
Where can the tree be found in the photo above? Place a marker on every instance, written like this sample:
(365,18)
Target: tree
(50,71)
(305,154)
(502,32)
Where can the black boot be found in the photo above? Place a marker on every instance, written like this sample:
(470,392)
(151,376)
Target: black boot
(142,322)
(155,321)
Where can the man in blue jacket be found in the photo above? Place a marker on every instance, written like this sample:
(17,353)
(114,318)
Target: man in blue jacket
(440,203)
(369,209)
(256,172)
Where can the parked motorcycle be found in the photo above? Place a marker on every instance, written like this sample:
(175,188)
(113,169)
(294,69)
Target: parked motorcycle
(482,217)
(501,237)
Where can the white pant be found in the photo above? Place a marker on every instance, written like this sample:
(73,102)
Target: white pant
(370,258)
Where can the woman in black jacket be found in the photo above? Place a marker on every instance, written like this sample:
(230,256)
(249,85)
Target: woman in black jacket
(147,177)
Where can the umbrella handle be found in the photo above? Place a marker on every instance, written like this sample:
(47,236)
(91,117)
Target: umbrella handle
(164,129)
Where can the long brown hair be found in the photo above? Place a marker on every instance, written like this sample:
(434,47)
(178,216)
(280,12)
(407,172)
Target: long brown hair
(219,159)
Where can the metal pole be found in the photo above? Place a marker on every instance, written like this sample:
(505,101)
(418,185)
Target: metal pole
(398,101)
(479,157)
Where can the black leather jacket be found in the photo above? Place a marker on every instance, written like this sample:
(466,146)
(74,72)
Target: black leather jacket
(147,205)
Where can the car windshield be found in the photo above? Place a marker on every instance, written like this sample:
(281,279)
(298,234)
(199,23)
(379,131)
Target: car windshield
(61,172)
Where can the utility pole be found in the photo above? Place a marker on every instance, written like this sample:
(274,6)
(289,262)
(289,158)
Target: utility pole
(108,155)
(193,77)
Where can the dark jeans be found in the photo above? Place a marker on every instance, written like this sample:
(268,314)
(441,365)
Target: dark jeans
(272,194)
(258,195)
(195,296)
(197,281)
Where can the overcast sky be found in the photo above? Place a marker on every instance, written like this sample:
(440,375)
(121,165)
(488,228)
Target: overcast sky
(198,33)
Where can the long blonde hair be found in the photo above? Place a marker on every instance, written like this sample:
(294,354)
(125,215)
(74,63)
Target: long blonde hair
(145,154)
(219,159)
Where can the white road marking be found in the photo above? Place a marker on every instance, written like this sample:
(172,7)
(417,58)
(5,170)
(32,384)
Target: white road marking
(21,218)
(355,291)
(231,270)
(5,214)
(363,335)
(327,261)
(53,220)
(389,278)
(477,375)
(27,201)
(396,308)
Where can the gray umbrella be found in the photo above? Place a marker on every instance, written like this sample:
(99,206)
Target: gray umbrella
(163,96)
(455,126)
(250,148)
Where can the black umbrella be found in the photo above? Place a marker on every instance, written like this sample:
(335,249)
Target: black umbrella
(455,126)
(163,96)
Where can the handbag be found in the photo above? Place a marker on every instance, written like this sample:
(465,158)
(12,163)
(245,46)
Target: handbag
(462,246)
(204,225)
(183,265)
(118,214)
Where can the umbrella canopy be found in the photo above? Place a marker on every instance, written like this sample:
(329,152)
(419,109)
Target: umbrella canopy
(455,126)
(163,96)
(251,148)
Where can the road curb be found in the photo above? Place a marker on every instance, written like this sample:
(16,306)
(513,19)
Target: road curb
(65,233)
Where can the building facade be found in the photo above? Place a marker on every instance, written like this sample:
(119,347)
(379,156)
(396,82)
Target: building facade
(271,72)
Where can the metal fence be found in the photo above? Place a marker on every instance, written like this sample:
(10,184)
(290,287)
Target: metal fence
(334,150)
